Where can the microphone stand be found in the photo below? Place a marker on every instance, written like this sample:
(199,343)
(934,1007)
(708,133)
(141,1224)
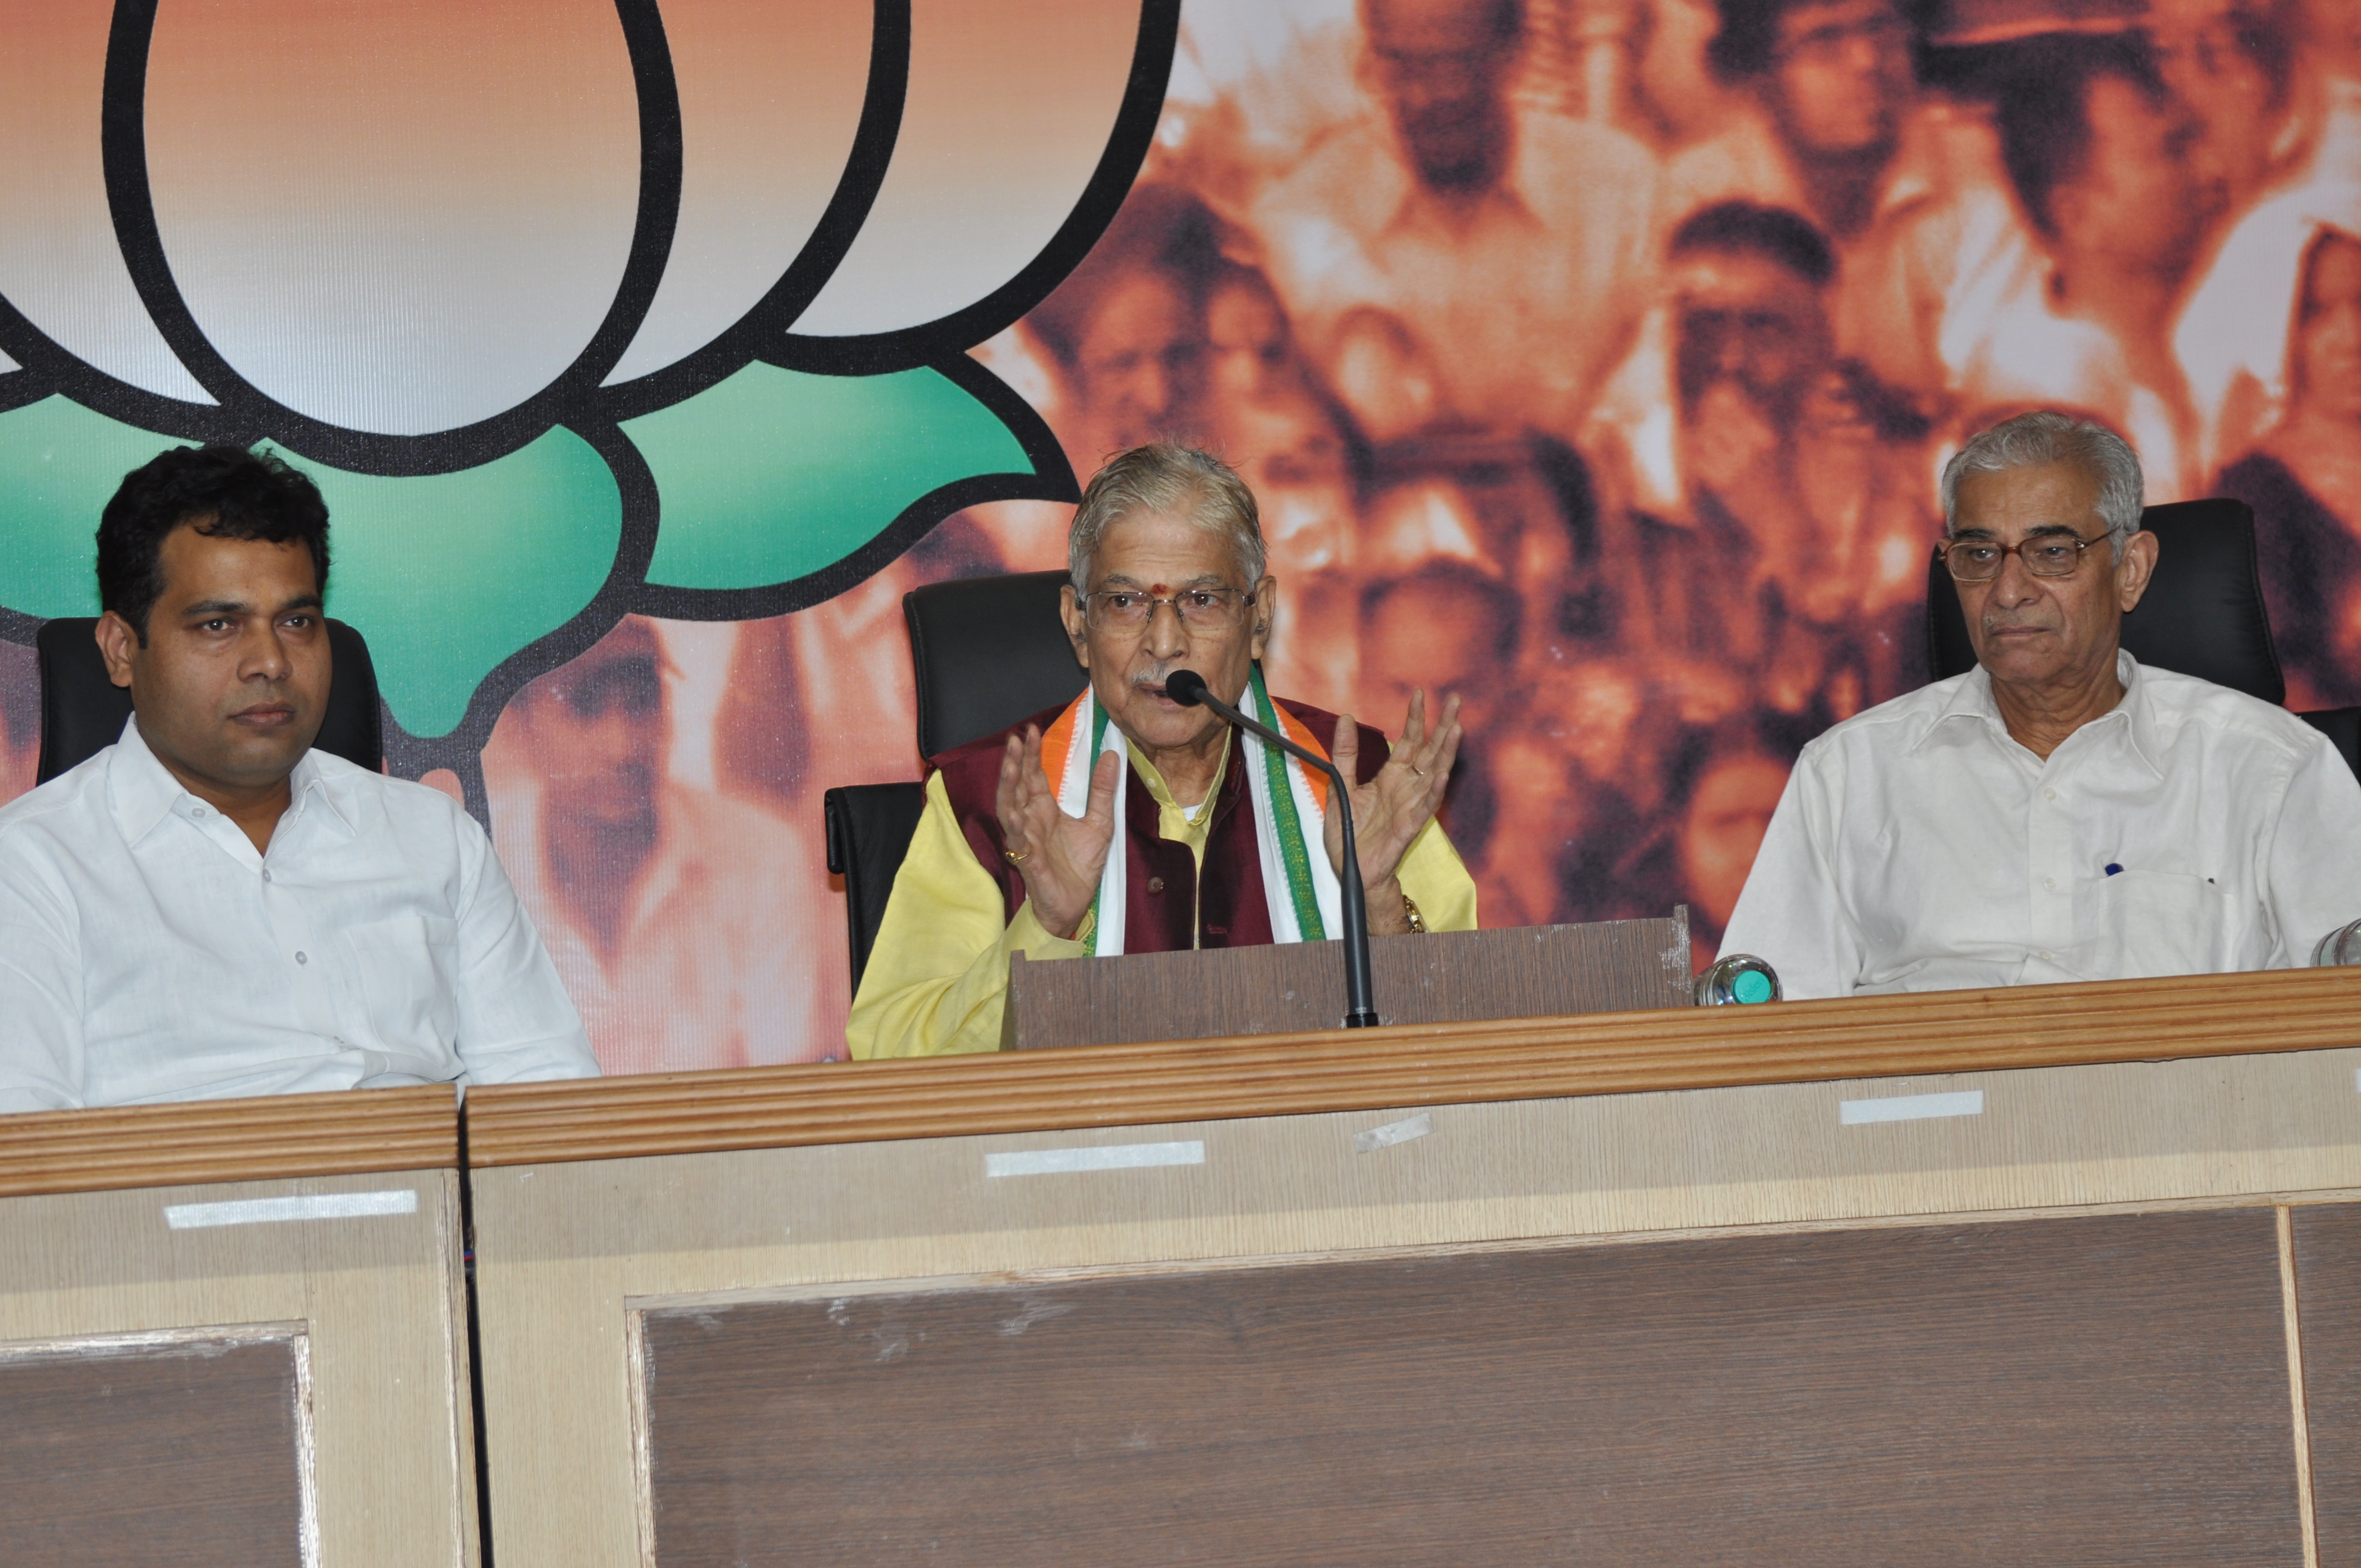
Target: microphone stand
(1188,688)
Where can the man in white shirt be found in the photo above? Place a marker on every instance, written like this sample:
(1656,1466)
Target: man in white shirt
(2058,813)
(209,908)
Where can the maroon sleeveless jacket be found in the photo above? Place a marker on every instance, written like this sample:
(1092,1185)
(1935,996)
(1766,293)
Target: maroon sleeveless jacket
(1160,876)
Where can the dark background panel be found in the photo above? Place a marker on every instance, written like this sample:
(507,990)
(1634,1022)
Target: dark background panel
(2099,1390)
(2328,1303)
(184,1455)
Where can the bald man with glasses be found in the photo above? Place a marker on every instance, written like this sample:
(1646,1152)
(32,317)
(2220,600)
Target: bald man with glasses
(1129,822)
(2058,813)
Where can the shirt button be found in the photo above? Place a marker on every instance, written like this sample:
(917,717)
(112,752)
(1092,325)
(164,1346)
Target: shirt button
(2043,957)
(2050,794)
(197,811)
(265,874)
(303,957)
(2050,882)
(1156,884)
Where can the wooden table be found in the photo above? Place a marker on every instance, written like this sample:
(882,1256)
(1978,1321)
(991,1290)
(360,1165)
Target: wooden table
(234,1333)
(2062,1273)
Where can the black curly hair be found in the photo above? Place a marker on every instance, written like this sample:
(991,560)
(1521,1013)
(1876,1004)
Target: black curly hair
(221,491)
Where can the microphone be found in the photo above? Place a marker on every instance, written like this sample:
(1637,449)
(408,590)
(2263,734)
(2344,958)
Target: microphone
(1188,688)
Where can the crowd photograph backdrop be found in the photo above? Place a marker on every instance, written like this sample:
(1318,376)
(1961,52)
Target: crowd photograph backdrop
(1593,359)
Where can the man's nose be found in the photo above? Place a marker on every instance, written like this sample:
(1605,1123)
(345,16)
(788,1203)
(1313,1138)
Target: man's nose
(617,738)
(1862,54)
(266,656)
(1167,636)
(1734,358)
(2015,585)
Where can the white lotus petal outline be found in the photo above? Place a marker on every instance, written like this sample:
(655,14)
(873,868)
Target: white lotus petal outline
(765,132)
(459,185)
(60,265)
(950,227)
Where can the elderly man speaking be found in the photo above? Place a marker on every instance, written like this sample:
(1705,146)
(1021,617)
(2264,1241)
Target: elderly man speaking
(2058,813)
(1130,823)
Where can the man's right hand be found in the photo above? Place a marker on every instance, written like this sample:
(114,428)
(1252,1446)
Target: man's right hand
(1059,857)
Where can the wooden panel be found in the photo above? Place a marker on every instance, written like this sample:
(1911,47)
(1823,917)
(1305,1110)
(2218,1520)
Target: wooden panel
(568,1252)
(378,1299)
(185,1451)
(1446,977)
(1411,1065)
(228,1140)
(2106,1390)
(2328,1297)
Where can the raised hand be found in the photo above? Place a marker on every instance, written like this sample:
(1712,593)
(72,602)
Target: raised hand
(1393,808)
(1058,856)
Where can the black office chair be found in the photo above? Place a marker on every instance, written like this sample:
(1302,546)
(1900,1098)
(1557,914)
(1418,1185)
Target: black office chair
(83,712)
(987,652)
(2203,614)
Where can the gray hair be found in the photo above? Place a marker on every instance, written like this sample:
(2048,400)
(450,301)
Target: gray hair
(1176,481)
(2030,440)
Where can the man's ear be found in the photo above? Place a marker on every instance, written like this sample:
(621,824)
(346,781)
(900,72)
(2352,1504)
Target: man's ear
(117,643)
(2135,571)
(1070,609)
(1265,614)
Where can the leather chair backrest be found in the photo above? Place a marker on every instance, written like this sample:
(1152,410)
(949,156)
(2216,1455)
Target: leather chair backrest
(2342,728)
(987,652)
(2203,614)
(869,832)
(83,712)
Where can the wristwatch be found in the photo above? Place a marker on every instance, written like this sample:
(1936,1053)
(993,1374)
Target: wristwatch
(1410,913)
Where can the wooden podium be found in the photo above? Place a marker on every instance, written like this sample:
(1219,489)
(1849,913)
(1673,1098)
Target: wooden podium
(2057,1274)
(234,1333)
(1444,977)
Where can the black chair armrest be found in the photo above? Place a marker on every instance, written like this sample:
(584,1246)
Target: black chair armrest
(869,832)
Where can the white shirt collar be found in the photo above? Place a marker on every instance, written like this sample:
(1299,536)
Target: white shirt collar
(1973,700)
(144,792)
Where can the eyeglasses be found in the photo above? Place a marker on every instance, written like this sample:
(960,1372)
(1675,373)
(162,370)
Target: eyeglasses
(1200,610)
(2045,555)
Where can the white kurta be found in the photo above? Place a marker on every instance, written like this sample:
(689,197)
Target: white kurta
(148,952)
(2192,830)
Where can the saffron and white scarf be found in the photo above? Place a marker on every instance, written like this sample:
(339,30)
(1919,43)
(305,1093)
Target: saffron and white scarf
(1290,815)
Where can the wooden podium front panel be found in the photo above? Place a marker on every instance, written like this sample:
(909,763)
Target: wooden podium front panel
(2109,1389)
(1442,977)
(156,1448)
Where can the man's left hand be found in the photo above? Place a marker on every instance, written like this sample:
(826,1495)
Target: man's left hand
(1394,808)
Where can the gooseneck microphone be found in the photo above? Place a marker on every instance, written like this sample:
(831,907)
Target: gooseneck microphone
(1188,688)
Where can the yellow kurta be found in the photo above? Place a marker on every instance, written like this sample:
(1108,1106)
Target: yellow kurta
(938,974)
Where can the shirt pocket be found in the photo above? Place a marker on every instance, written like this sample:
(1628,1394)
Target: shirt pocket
(406,966)
(2161,923)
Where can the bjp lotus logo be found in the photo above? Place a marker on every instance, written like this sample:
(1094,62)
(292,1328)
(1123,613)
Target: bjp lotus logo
(572,309)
